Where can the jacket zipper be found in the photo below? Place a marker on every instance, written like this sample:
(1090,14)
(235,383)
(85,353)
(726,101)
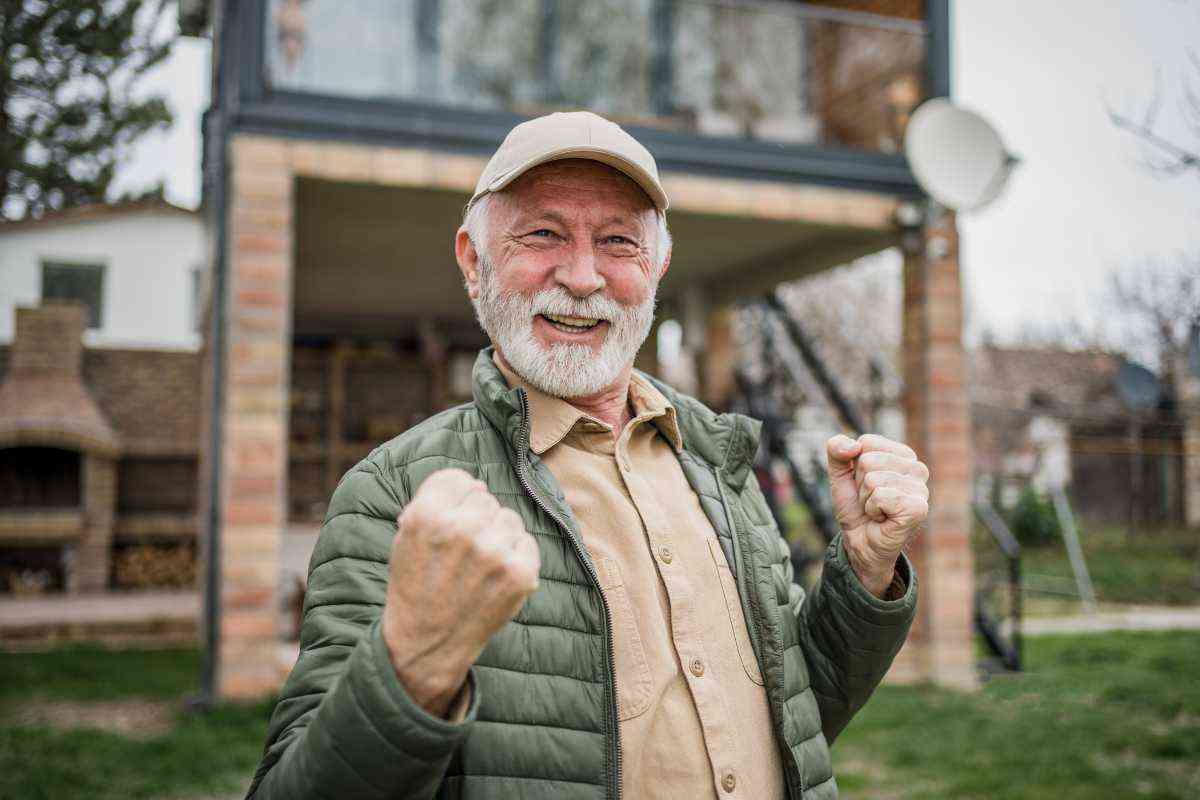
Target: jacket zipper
(614,760)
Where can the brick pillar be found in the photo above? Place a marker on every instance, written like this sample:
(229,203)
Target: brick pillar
(936,413)
(254,427)
(93,555)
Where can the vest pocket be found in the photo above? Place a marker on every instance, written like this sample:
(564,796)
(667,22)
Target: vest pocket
(633,672)
(733,612)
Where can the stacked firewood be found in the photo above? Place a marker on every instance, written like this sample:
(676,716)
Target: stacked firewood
(155,566)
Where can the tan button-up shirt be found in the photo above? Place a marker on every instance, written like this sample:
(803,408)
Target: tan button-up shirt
(693,713)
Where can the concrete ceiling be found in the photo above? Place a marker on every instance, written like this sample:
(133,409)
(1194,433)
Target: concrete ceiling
(376,259)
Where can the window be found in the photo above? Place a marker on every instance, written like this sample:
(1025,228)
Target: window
(82,282)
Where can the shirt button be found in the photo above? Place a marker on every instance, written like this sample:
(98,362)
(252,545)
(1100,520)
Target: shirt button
(665,554)
(697,667)
(729,782)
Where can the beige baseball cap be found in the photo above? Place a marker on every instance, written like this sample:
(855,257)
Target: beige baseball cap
(570,134)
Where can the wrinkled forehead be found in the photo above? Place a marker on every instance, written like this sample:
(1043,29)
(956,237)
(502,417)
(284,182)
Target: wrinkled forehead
(576,181)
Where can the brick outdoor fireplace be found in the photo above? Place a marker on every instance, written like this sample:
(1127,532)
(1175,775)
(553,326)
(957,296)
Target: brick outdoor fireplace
(58,450)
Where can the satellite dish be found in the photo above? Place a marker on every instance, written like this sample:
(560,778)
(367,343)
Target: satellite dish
(1138,387)
(956,155)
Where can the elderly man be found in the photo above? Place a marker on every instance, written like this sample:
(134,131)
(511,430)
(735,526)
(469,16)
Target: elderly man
(571,587)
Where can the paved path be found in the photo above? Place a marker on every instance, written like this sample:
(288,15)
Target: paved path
(1135,618)
(111,607)
(139,607)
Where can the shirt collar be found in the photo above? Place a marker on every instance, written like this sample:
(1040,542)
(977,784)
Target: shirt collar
(552,418)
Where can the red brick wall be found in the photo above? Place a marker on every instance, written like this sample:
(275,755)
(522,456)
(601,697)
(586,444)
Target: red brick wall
(940,647)
(151,397)
(49,340)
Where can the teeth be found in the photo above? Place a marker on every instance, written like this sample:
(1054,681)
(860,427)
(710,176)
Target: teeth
(575,322)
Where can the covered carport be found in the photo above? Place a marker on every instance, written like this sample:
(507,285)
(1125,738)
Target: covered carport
(341,276)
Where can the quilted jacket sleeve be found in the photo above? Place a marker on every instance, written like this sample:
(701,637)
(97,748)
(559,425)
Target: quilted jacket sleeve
(849,636)
(344,725)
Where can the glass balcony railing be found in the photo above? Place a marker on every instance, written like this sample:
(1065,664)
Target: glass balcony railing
(769,70)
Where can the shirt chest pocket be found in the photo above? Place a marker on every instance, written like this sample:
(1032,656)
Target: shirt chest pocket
(633,672)
(733,612)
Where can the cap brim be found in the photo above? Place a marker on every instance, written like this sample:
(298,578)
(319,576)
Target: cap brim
(630,169)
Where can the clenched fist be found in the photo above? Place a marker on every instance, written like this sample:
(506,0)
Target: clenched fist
(880,498)
(461,567)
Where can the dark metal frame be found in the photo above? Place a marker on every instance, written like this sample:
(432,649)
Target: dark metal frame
(1009,653)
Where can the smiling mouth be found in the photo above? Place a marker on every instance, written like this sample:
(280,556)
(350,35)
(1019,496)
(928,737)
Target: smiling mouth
(568,324)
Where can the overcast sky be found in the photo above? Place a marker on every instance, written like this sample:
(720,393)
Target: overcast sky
(1079,203)
(1042,72)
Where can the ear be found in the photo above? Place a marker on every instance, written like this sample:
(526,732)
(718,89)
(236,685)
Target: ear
(666,262)
(468,261)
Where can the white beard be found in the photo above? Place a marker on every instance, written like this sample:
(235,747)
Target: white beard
(561,370)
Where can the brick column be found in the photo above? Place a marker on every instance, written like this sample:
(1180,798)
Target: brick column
(254,426)
(93,555)
(936,413)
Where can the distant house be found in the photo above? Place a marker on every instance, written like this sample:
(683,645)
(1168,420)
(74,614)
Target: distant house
(138,267)
(99,397)
(1054,418)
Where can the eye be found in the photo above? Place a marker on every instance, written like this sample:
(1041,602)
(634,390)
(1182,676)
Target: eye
(618,239)
(543,233)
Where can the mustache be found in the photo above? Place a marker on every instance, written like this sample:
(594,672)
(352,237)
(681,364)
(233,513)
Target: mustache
(561,302)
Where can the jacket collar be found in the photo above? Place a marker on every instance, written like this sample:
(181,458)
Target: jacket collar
(725,441)
(554,418)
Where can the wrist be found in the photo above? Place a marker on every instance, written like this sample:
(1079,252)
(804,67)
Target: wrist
(431,682)
(874,571)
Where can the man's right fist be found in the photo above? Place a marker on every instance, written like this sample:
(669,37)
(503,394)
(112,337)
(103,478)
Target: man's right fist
(461,567)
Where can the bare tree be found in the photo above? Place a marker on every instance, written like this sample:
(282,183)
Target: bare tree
(1165,155)
(1155,306)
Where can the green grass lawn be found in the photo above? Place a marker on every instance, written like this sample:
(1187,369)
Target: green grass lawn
(1156,567)
(195,754)
(1113,715)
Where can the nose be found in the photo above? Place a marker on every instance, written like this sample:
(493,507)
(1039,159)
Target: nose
(578,274)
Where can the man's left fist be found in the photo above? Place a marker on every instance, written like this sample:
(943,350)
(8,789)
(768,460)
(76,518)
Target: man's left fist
(880,498)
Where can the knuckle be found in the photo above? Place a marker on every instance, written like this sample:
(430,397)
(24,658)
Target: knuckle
(507,518)
(485,500)
(489,557)
(414,518)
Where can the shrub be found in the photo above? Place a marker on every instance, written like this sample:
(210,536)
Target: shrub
(1033,520)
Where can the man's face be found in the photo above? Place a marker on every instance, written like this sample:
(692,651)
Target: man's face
(566,281)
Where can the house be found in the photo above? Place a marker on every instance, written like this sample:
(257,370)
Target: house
(99,409)
(138,267)
(344,140)
(1055,418)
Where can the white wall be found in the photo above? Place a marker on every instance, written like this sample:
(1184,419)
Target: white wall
(148,256)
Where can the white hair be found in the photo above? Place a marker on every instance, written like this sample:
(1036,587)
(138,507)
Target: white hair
(564,370)
(475,220)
